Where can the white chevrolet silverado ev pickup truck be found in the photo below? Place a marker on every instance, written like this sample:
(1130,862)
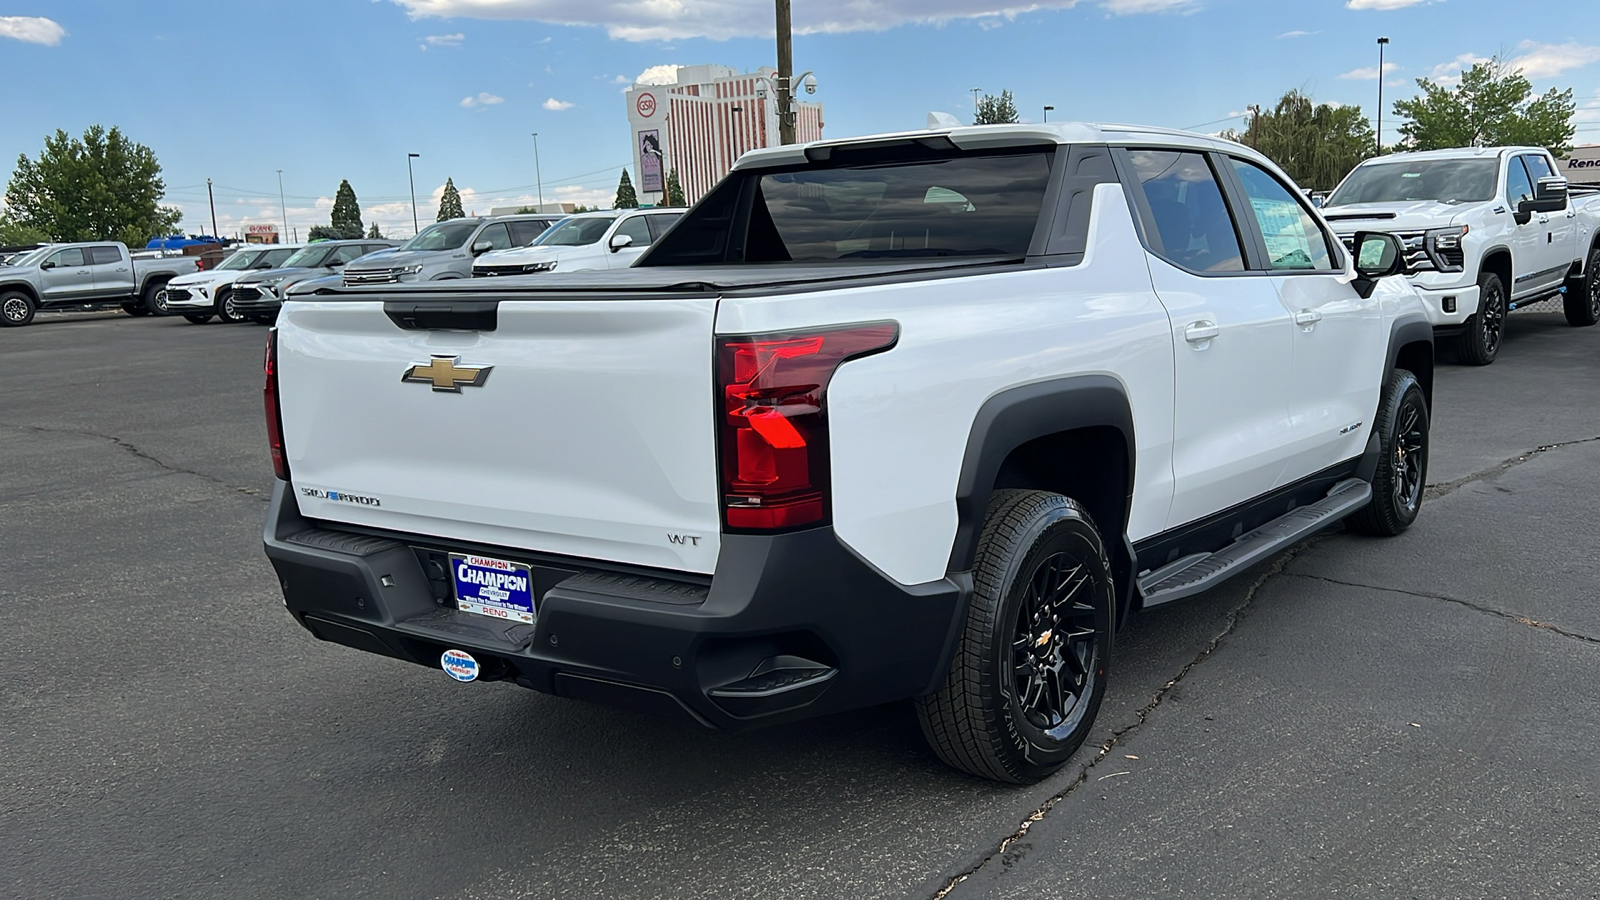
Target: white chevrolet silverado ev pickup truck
(921,415)
(1486,230)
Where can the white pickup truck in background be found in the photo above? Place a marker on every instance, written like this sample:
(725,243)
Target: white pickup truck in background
(1486,230)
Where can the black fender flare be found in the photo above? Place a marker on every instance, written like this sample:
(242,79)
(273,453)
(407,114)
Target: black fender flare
(1404,331)
(21,287)
(1012,418)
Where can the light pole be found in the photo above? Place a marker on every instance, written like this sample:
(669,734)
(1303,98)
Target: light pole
(283,207)
(537,174)
(975,105)
(1382,42)
(1047,112)
(213,200)
(415,228)
(785,75)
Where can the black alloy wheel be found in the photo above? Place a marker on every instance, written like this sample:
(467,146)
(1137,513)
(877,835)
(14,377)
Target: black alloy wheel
(1480,343)
(1581,303)
(1402,472)
(16,308)
(1030,670)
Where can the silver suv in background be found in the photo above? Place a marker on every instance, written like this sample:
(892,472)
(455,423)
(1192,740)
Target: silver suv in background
(446,249)
(258,296)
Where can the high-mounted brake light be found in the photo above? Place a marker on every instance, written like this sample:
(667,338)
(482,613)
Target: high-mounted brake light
(269,395)
(772,429)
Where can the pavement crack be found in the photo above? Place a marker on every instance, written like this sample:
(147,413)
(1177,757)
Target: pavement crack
(141,454)
(1235,615)
(1476,607)
(1435,491)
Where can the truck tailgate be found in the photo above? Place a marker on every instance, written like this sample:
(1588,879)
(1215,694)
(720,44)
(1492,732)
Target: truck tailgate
(591,434)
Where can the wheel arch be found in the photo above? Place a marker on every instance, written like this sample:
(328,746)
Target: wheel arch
(1072,436)
(1498,260)
(21,287)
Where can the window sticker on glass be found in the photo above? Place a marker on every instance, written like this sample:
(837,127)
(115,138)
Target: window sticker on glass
(1285,233)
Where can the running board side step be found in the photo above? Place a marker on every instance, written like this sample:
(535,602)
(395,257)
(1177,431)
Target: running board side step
(1203,571)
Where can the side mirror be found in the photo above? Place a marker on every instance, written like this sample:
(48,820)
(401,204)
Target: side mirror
(47,265)
(618,241)
(1549,195)
(482,247)
(1378,254)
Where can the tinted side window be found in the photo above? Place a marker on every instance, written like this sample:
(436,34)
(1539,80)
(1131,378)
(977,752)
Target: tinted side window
(1293,239)
(104,256)
(344,254)
(72,257)
(660,224)
(524,232)
(1191,224)
(1518,187)
(636,228)
(497,236)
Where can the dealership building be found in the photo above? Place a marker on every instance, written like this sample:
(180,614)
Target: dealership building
(702,122)
(1582,165)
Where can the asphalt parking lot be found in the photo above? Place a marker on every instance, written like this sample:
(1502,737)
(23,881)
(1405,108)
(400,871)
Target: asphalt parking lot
(1417,717)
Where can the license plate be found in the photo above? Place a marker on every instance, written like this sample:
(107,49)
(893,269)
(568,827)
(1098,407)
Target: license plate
(493,587)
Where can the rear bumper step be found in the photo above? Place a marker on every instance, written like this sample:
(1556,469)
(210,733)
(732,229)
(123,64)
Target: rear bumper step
(1201,571)
(790,625)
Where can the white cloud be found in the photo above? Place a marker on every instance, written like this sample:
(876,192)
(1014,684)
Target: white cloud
(1370,73)
(1383,4)
(620,79)
(658,75)
(33,29)
(1448,74)
(1549,60)
(555,105)
(663,20)
(1295,34)
(444,40)
(483,99)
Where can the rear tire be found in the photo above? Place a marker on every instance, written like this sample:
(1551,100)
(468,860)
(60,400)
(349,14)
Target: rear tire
(1581,303)
(16,309)
(197,320)
(1402,472)
(150,300)
(1030,670)
(1480,343)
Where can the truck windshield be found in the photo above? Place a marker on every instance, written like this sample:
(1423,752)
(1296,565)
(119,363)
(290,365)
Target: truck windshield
(443,236)
(32,257)
(575,232)
(1440,180)
(240,260)
(307,257)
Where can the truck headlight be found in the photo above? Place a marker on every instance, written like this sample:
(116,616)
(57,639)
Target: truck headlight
(1443,246)
(539,267)
(409,270)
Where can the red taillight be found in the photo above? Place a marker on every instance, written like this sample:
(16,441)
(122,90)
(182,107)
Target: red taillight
(269,394)
(773,421)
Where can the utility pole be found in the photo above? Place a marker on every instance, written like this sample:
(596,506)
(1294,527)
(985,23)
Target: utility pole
(415,228)
(1382,42)
(283,207)
(213,199)
(975,105)
(1047,112)
(785,75)
(537,174)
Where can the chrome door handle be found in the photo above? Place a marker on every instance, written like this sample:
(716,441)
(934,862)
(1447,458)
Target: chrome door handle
(1307,318)
(1201,331)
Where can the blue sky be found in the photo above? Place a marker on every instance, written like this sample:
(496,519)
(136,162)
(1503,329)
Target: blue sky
(334,89)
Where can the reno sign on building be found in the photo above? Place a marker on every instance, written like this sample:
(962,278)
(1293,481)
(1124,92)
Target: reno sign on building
(1582,165)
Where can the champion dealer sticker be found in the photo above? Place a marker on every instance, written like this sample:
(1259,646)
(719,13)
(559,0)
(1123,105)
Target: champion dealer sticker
(459,664)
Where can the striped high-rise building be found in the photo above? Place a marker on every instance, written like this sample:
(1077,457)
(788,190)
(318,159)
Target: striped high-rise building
(701,123)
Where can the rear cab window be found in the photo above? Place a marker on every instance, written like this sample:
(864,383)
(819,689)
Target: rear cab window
(869,204)
(104,256)
(1182,212)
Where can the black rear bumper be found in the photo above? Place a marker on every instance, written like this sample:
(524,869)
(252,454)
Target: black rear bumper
(789,626)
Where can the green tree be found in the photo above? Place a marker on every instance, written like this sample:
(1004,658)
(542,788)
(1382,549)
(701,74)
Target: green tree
(16,234)
(626,198)
(346,211)
(100,187)
(450,202)
(1492,106)
(373,232)
(675,190)
(1317,144)
(324,233)
(994,110)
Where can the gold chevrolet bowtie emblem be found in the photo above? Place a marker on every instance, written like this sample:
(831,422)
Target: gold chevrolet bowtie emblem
(443,373)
